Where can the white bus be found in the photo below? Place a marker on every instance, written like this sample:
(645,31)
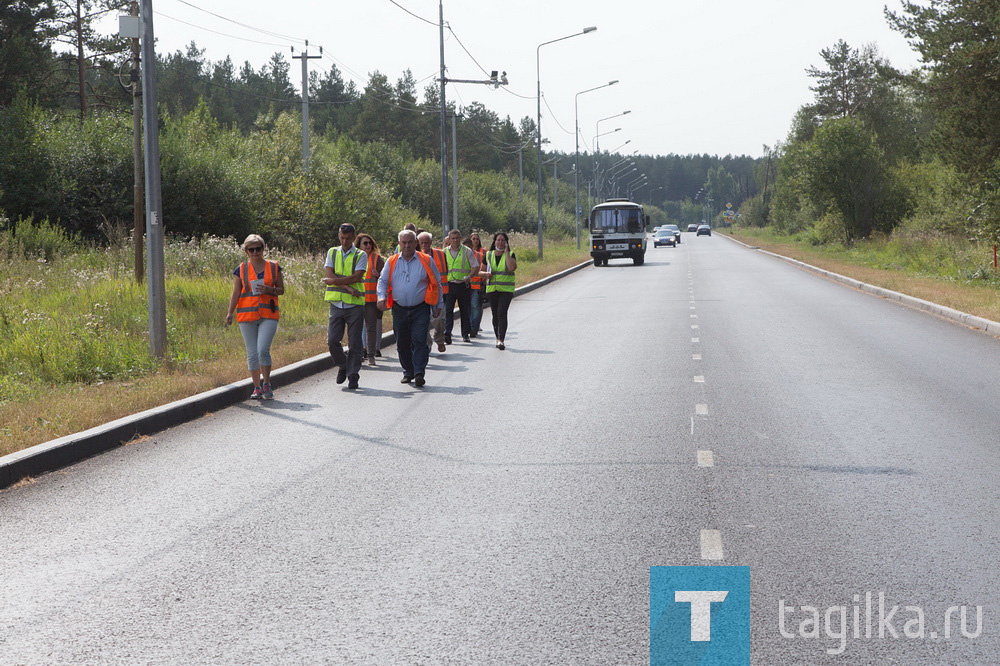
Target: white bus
(618,230)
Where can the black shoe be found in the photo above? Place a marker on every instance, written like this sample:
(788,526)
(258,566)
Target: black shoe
(341,375)
(378,352)
(465,338)
(364,355)
(473,335)
(418,381)
(353,384)
(406,379)
(447,339)
(500,346)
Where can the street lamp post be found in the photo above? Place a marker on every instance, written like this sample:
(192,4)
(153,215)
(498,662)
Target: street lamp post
(538,124)
(576,179)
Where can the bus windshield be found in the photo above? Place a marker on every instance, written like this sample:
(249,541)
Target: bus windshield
(616,220)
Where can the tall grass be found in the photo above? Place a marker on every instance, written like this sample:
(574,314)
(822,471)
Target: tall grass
(74,346)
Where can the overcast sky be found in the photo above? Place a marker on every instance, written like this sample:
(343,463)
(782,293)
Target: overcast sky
(703,76)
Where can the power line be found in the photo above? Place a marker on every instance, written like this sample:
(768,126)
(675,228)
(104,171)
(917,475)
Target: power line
(466,50)
(553,115)
(243,25)
(412,14)
(195,25)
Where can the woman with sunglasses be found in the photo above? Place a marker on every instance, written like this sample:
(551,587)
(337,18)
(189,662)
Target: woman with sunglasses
(372,333)
(500,266)
(257,283)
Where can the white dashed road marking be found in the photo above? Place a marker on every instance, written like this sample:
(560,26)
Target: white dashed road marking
(701,410)
(706,459)
(711,545)
(698,379)
(696,357)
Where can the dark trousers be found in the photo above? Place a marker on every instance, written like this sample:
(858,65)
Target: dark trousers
(352,319)
(499,304)
(410,326)
(373,326)
(457,291)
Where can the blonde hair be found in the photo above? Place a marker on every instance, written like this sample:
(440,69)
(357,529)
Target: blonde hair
(253,238)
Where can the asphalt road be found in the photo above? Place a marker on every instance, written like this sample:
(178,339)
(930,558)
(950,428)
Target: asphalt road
(713,407)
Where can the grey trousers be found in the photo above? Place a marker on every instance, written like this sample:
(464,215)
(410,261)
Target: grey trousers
(352,318)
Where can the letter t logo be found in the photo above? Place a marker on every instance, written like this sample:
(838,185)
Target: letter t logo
(701,611)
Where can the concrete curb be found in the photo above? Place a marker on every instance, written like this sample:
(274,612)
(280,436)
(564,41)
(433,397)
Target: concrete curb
(71,449)
(964,318)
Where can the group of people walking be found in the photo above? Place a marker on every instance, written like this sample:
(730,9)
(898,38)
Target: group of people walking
(418,283)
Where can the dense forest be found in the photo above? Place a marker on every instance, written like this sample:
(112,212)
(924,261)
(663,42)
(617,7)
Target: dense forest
(876,152)
(231,148)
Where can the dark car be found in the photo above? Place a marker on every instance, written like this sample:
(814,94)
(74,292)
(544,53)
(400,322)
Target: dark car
(664,236)
(677,232)
(692,227)
(704,230)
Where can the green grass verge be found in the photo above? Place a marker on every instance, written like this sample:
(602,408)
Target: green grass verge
(74,349)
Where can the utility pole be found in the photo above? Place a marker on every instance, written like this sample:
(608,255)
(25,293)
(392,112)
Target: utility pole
(305,58)
(154,205)
(444,128)
(137,200)
(454,171)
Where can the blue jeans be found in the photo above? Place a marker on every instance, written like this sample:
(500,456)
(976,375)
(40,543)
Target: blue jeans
(257,336)
(475,309)
(410,326)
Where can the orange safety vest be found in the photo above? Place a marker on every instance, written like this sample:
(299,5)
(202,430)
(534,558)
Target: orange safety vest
(370,280)
(480,255)
(252,307)
(431,297)
(442,265)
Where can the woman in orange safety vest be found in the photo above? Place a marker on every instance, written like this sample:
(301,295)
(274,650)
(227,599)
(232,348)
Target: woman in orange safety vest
(372,333)
(257,283)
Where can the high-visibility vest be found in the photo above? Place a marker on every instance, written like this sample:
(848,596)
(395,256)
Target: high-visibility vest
(338,292)
(500,278)
(371,280)
(477,281)
(458,267)
(442,266)
(431,298)
(252,307)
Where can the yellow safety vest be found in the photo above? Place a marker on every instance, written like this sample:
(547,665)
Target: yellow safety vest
(340,293)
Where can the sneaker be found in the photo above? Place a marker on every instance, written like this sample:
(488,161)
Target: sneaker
(266,393)
(441,347)
(419,380)
(406,379)
(465,338)
(371,361)
(353,383)
(257,393)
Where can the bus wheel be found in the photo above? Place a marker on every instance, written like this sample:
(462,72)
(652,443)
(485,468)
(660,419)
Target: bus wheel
(597,261)
(639,259)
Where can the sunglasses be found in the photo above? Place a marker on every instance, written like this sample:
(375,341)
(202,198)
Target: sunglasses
(255,249)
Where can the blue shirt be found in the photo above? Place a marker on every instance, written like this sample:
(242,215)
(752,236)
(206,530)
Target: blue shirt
(409,282)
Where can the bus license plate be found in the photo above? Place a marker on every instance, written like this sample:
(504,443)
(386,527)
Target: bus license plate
(618,246)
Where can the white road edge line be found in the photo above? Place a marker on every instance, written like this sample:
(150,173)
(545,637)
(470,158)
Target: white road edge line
(711,545)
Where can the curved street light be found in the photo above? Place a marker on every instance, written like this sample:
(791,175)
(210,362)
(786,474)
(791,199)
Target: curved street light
(576,178)
(538,126)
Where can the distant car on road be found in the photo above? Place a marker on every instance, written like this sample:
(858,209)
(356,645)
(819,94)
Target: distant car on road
(692,227)
(704,230)
(674,228)
(664,236)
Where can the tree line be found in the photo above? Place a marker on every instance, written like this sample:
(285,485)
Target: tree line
(880,150)
(231,156)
